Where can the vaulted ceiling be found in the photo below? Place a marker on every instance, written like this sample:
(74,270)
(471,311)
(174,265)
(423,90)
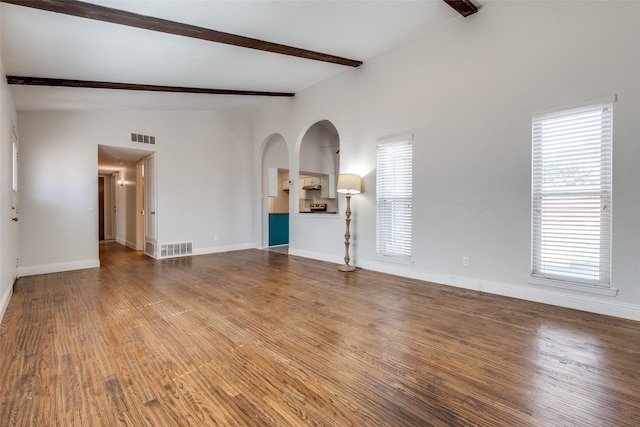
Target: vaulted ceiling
(69,51)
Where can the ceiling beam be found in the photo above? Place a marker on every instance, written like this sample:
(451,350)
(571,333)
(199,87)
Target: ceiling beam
(463,7)
(121,17)
(43,81)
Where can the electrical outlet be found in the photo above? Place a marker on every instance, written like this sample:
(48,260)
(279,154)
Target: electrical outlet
(215,237)
(465,261)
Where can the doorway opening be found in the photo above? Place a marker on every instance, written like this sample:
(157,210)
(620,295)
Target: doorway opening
(278,208)
(319,165)
(121,195)
(275,190)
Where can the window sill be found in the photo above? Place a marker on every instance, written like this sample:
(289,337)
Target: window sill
(557,284)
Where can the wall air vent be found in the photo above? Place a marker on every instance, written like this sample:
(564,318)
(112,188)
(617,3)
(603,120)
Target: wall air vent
(143,139)
(168,250)
(150,249)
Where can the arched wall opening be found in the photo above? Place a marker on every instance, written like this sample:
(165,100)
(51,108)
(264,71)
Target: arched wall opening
(318,166)
(275,192)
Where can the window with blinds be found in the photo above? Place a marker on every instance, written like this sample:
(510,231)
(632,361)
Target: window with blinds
(394,199)
(571,195)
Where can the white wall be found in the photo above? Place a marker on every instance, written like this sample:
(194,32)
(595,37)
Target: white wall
(316,151)
(8,249)
(204,178)
(466,92)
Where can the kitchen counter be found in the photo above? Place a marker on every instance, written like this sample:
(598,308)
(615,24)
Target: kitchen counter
(319,213)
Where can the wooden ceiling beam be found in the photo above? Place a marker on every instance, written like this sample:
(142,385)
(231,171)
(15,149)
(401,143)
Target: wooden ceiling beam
(43,81)
(121,17)
(463,7)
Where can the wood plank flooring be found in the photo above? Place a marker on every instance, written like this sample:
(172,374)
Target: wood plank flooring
(255,338)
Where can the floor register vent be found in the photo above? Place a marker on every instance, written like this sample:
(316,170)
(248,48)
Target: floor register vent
(176,249)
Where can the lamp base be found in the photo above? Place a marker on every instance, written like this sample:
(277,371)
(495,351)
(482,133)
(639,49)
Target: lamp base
(347,267)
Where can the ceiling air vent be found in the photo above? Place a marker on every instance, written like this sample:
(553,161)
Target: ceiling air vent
(143,139)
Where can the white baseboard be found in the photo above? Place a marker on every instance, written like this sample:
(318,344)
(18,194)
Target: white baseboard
(316,255)
(127,243)
(217,249)
(427,276)
(587,302)
(4,301)
(58,267)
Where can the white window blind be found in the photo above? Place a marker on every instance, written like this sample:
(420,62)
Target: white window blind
(394,199)
(571,191)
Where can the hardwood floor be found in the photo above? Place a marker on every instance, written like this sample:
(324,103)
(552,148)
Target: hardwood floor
(261,338)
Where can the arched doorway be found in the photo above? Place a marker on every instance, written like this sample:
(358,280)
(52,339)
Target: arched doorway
(275,190)
(319,165)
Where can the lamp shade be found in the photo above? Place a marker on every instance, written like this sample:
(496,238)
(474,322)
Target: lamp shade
(349,183)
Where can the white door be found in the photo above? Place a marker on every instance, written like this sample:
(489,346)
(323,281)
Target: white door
(150,217)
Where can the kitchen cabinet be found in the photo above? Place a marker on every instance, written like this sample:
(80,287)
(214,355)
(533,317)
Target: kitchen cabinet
(272,187)
(328,187)
(311,181)
(278,229)
(301,193)
(318,186)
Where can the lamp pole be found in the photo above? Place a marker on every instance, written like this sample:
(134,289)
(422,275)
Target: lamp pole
(349,184)
(346,266)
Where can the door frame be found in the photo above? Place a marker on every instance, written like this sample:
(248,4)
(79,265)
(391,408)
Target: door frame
(120,166)
(151,206)
(14,199)
(140,212)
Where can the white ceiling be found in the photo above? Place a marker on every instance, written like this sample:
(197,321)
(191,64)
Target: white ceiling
(44,44)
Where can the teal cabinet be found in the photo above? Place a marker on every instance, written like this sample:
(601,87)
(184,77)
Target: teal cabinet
(278,229)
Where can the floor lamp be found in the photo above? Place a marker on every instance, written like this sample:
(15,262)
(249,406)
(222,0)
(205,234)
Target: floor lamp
(349,184)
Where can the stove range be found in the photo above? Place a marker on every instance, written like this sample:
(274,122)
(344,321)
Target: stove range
(318,207)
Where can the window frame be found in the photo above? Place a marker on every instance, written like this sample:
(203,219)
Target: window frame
(394,206)
(596,187)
